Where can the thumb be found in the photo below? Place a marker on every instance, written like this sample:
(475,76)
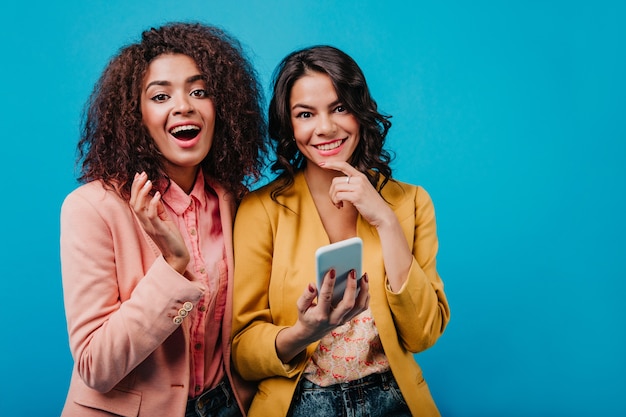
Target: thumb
(160,207)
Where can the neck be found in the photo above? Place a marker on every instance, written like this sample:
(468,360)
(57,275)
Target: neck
(185,178)
(339,222)
(319,179)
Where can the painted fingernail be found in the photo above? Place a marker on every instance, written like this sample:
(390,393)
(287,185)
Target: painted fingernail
(332,273)
(353,274)
(366,278)
(311,289)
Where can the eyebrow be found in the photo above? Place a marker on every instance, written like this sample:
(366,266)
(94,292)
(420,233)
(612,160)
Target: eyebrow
(306,106)
(189,80)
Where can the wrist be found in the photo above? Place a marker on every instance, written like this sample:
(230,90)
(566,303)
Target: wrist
(388,221)
(178,263)
(291,341)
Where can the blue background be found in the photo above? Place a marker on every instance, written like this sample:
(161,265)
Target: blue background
(511,114)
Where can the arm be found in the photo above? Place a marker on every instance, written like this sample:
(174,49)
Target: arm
(116,316)
(420,309)
(253,348)
(375,210)
(414,291)
(315,320)
(272,327)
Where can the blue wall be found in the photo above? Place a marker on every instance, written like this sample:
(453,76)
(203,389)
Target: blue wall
(512,115)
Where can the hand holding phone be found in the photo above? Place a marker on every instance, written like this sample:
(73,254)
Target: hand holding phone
(343,256)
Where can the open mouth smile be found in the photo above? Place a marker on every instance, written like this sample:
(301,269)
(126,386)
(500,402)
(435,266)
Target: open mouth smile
(185,132)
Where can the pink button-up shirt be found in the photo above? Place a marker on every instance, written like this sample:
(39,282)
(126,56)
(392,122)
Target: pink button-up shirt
(198,218)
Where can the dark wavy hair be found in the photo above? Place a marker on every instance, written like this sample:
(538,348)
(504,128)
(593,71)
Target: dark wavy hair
(369,156)
(114,143)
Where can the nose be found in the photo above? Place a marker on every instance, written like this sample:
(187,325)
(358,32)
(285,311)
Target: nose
(325,125)
(183,105)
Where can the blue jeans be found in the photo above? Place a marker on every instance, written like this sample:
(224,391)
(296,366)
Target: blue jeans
(375,395)
(216,402)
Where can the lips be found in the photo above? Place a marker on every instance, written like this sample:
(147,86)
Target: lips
(330,145)
(185,132)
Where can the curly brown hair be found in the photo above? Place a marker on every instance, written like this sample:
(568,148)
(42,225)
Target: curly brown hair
(369,157)
(114,143)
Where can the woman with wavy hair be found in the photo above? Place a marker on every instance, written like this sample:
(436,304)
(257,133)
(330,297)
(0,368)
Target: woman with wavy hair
(309,355)
(172,138)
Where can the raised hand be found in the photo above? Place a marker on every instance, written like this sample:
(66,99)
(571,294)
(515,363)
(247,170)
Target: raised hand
(155,221)
(356,189)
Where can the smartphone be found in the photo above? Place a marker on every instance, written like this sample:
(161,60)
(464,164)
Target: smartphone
(344,256)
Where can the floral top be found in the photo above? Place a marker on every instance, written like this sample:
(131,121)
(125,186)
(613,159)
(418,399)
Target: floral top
(347,353)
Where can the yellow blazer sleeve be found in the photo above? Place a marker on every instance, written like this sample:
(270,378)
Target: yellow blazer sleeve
(420,310)
(254,329)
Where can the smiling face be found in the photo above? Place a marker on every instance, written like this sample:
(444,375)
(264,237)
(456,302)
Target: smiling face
(178,114)
(322,127)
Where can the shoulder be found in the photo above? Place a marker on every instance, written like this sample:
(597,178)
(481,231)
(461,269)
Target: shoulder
(94,189)
(408,199)
(260,196)
(398,191)
(95,196)
(264,195)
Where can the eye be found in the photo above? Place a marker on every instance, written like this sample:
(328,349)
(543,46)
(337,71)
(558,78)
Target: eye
(199,93)
(304,115)
(340,109)
(159,98)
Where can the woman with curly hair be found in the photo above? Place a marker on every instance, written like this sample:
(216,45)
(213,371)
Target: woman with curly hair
(172,138)
(310,355)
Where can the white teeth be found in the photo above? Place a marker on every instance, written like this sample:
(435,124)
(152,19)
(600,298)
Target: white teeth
(178,129)
(329,146)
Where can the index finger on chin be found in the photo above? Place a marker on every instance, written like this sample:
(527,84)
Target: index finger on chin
(343,167)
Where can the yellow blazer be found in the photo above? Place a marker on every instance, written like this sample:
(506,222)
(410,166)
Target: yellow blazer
(274,261)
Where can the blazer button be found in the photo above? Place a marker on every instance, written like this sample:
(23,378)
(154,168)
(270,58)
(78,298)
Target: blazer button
(188,306)
(177,320)
(182,312)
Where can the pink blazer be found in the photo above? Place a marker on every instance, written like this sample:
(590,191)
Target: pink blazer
(122,301)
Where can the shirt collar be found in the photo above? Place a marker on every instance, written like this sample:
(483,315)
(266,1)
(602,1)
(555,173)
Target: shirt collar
(179,201)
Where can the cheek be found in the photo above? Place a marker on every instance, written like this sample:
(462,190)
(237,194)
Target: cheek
(153,115)
(150,128)
(352,124)
(146,116)
(300,138)
(206,108)
(302,132)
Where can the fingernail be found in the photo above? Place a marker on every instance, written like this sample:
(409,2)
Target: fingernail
(352,274)
(366,278)
(148,184)
(311,289)
(332,273)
